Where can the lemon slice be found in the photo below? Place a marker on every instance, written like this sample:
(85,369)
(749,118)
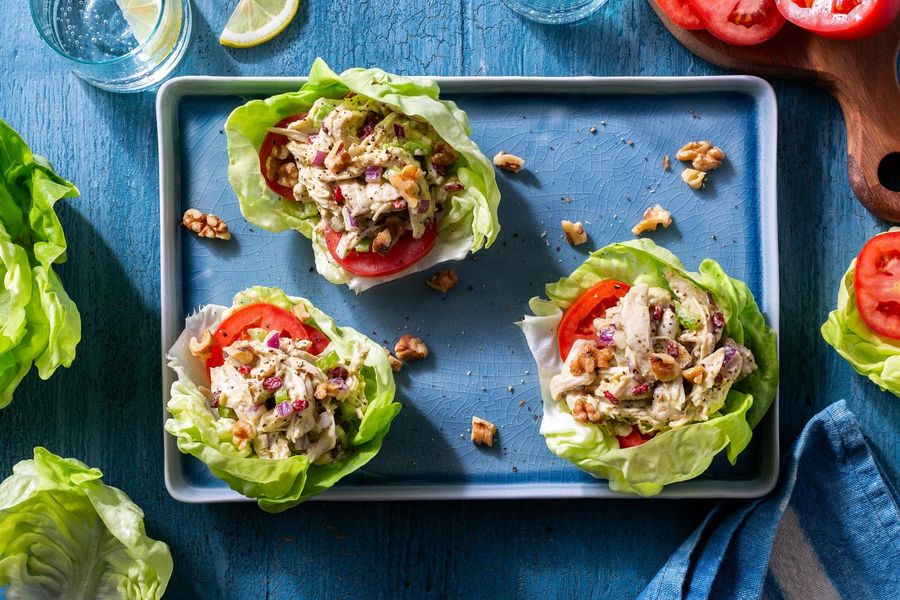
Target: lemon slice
(254,22)
(141,16)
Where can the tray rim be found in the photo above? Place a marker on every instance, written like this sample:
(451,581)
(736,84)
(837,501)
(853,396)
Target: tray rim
(168,98)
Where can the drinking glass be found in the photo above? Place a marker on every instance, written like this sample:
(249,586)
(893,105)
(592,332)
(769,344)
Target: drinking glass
(117,45)
(554,11)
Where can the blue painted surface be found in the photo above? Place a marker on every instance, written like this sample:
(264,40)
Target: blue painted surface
(105,409)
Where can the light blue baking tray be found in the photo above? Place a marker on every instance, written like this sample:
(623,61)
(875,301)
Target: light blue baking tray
(593,149)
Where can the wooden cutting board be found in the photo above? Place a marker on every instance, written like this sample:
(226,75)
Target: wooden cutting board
(860,74)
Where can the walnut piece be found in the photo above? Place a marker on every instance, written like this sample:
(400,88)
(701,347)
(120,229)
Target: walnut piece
(653,217)
(586,412)
(575,233)
(444,155)
(241,433)
(206,225)
(664,367)
(508,162)
(410,348)
(695,179)
(407,183)
(396,363)
(589,359)
(387,237)
(329,389)
(483,431)
(443,281)
(201,347)
(695,375)
(665,162)
(703,156)
(337,159)
(288,174)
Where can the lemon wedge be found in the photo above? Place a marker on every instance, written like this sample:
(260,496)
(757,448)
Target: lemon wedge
(141,16)
(254,22)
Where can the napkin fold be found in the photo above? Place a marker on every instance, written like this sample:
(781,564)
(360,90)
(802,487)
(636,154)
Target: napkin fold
(830,529)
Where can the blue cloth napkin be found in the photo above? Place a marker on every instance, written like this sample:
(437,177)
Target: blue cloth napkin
(831,529)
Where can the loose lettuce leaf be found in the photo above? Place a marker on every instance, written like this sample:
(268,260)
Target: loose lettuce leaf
(65,534)
(39,323)
(678,454)
(276,484)
(868,353)
(471,222)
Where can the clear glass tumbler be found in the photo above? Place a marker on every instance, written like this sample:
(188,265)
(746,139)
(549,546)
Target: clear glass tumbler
(117,45)
(555,11)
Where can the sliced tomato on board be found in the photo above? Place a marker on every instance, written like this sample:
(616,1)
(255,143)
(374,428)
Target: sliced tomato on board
(265,151)
(877,284)
(739,22)
(404,253)
(635,438)
(840,19)
(264,316)
(578,321)
(680,12)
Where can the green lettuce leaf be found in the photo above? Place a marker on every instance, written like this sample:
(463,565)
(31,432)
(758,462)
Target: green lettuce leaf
(681,453)
(282,483)
(39,323)
(868,353)
(65,534)
(469,224)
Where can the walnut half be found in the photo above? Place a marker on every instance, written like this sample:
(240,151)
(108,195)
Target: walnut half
(508,162)
(653,217)
(205,225)
(694,178)
(201,347)
(483,431)
(575,233)
(443,281)
(410,348)
(241,433)
(703,156)
(396,363)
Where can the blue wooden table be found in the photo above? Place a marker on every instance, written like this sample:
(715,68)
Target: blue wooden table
(105,410)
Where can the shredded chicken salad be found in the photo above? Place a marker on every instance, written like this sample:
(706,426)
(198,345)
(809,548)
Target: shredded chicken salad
(372,172)
(660,361)
(286,401)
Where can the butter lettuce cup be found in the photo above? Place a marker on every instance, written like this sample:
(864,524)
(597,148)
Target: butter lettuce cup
(648,370)
(375,169)
(276,399)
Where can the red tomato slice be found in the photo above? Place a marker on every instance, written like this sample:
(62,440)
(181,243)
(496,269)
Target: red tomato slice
(265,150)
(840,19)
(635,438)
(578,322)
(877,284)
(739,22)
(265,316)
(405,252)
(679,11)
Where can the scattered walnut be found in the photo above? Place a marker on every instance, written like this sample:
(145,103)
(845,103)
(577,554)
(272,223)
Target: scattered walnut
(483,431)
(508,162)
(201,347)
(703,156)
(664,367)
(653,217)
(589,359)
(444,155)
(205,225)
(299,311)
(585,412)
(288,174)
(396,363)
(665,162)
(695,375)
(443,281)
(575,234)
(695,179)
(337,159)
(241,433)
(410,348)
(328,389)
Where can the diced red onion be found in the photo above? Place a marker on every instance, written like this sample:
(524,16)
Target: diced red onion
(284,409)
(453,187)
(423,206)
(338,194)
(400,204)
(606,335)
(373,174)
(319,160)
(640,390)
(657,312)
(730,351)
(272,383)
(254,408)
(365,131)
(339,382)
(399,131)
(214,403)
(274,340)
(609,396)
(244,369)
(312,138)
(299,404)
(672,349)
(351,220)
(718,320)
(339,373)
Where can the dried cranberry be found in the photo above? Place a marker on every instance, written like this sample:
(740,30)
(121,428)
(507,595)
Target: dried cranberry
(718,320)
(719,378)
(272,383)
(453,187)
(657,312)
(609,396)
(441,170)
(338,373)
(640,390)
(338,195)
(244,369)
(299,404)
(365,131)
(214,403)
(672,349)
